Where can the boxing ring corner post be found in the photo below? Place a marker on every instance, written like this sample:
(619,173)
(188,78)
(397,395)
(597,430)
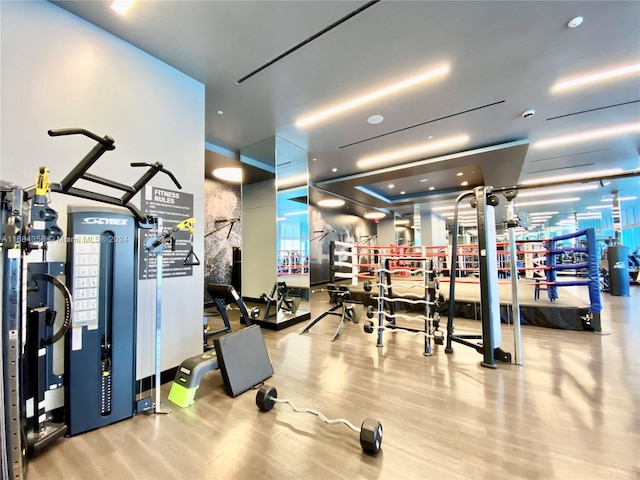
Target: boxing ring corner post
(593,273)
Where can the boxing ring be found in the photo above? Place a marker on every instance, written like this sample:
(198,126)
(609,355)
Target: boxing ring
(538,265)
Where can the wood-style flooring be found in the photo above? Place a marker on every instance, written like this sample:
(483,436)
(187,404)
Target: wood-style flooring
(571,412)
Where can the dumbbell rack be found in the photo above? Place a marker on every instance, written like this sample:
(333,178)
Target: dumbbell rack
(386,300)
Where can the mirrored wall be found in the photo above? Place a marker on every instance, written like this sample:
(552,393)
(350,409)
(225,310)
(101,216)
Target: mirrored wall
(258,218)
(292,229)
(275,237)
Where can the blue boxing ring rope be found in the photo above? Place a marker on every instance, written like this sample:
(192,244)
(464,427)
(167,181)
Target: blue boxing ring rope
(591,265)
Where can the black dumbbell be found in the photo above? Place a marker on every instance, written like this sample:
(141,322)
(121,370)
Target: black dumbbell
(255,312)
(367,285)
(368,327)
(370,311)
(370,430)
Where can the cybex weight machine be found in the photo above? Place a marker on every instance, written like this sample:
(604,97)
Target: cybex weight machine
(99,320)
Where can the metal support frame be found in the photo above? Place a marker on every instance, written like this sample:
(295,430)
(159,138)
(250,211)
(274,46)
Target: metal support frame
(347,310)
(13,297)
(485,249)
(490,305)
(515,299)
(158,324)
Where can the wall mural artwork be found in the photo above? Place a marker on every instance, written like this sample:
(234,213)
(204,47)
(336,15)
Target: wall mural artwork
(222,230)
(327,225)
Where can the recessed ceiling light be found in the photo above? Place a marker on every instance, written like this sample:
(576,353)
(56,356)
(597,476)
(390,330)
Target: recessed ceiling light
(595,77)
(334,169)
(229,174)
(575,22)
(429,137)
(391,185)
(219,112)
(402,192)
(422,180)
(308,120)
(596,207)
(374,215)
(412,151)
(121,6)
(459,174)
(432,188)
(315,159)
(464,184)
(375,119)
(331,202)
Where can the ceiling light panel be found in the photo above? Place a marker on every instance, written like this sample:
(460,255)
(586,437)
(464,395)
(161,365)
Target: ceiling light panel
(412,152)
(331,202)
(396,87)
(121,6)
(230,174)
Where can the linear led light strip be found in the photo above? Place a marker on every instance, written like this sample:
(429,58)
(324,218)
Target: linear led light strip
(589,135)
(547,202)
(413,151)
(595,77)
(574,176)
(555,191)
(308,120)
(619,199)
(294,180)
(451,207)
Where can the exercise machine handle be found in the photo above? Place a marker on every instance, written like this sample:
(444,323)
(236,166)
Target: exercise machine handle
(79,172)
(59,132)
(159,167)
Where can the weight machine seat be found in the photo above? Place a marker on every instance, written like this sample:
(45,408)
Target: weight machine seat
(224,292)
(228,295)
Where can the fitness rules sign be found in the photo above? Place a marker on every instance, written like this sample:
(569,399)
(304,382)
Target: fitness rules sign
(172,207)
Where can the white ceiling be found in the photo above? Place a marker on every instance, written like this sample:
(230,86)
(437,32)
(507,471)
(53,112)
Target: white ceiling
(503,58)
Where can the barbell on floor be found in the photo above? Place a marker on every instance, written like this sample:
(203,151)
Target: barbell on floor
(370,431)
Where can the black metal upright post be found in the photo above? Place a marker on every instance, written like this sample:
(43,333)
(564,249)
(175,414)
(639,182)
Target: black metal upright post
(488,273)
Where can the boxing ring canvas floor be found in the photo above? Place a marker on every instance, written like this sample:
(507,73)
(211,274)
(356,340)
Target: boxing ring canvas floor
(565,312)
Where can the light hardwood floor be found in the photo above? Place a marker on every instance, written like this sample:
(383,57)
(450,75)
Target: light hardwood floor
(571,412)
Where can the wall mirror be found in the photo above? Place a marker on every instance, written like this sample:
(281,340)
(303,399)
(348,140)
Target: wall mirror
(292,225)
